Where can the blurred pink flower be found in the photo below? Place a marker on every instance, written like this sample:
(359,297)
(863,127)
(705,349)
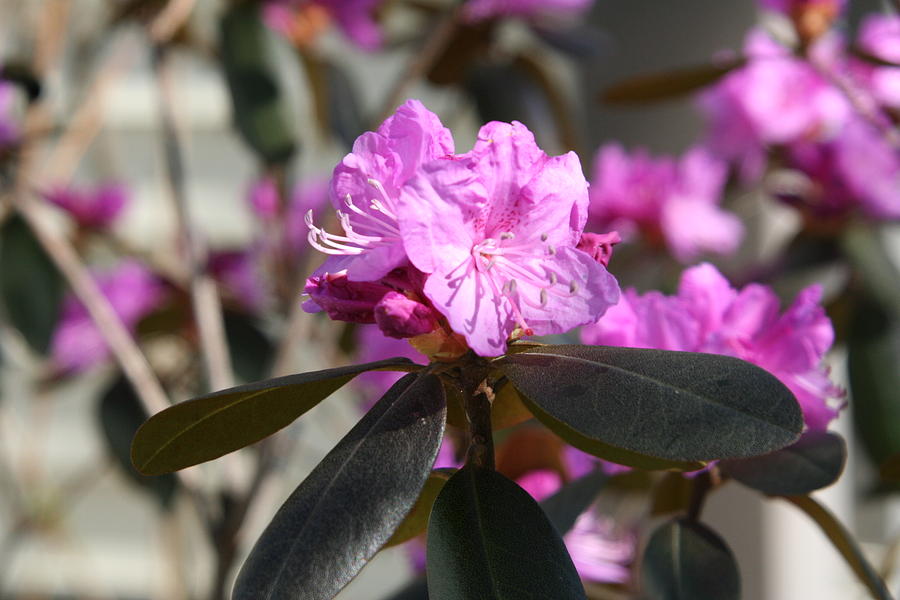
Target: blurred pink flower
(600,551)
(708,315)
(496,231)
(480,10)
(775,99)
(356,18)
(879,36)
(9,129)
(263,198)
(659,197)
(789,6)
(97,207)
(132,290)
(241,276)
(365,190)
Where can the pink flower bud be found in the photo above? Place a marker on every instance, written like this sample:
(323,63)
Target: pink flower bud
(342,299)
(599,245)
(401,317)
(91,208)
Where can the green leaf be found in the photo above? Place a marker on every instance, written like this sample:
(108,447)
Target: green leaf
(207,427)
(487,538)
(843,543)
(674,406)
(813,462)
(251,351)
(685,560)
(565,506)
(671,84)
(417,519)
(259,111)
(31,288)
(121,413)
(352,501)
(873,350)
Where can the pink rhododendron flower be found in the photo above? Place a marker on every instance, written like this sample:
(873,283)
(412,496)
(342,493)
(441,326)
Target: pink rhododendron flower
(356,18)
(342,299)
(496,231)
(708,315)
(599,245)
(365,190)
(132,290)
(309,195)
(776,99)
(399,316)
(479,10)
(600,551)
(678,201)
(96,207)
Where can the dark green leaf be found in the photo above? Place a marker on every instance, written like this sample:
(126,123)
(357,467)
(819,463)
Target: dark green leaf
(251,351)
(868,252)
(31,288)
(675,406)
(688,561)
(417,519)
(121,413)
(843,543)
(259,111)
(487,538)
(352,501)
(207,427)
(344,112)
(813,462)
(565,506)
(890,469)
(668,85)
(873,351)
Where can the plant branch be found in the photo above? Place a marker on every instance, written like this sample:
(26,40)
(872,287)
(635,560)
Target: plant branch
(204,295)
(477,399)
(422,61)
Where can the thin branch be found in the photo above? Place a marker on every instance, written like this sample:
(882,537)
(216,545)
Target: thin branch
(170,19)
(422,62)
(204,295)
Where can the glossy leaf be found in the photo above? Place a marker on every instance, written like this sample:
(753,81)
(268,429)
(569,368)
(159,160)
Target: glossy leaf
(350,504)
(843,542)
(565,506)
(259,111)
(207,427)
(31,289)
(686,560)
(813,462)
(487,538)
(121,413)
(674,406)
(417,519)
(665,86)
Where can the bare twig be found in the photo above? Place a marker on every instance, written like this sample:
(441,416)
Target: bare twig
(204,295)
(170,19)
(423,60)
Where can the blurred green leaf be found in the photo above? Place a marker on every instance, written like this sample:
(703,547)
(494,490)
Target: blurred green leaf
(685,560)
(815,461)
(565,506)
(674,406)
(252,352)
(31,289)
(417,519)
(873,351)
(843,542)
(121,413)
(670,84)
(209,426)
(487,538)
(259,111)
(865,247)
(351,503)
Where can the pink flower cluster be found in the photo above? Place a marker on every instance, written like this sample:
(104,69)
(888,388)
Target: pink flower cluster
(356,18)
(485,242)
(674,202)
(708,315)
(821,114)
(9,129)
(132,290)
(97,208)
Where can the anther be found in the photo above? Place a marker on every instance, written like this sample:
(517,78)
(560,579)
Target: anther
(544,237)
